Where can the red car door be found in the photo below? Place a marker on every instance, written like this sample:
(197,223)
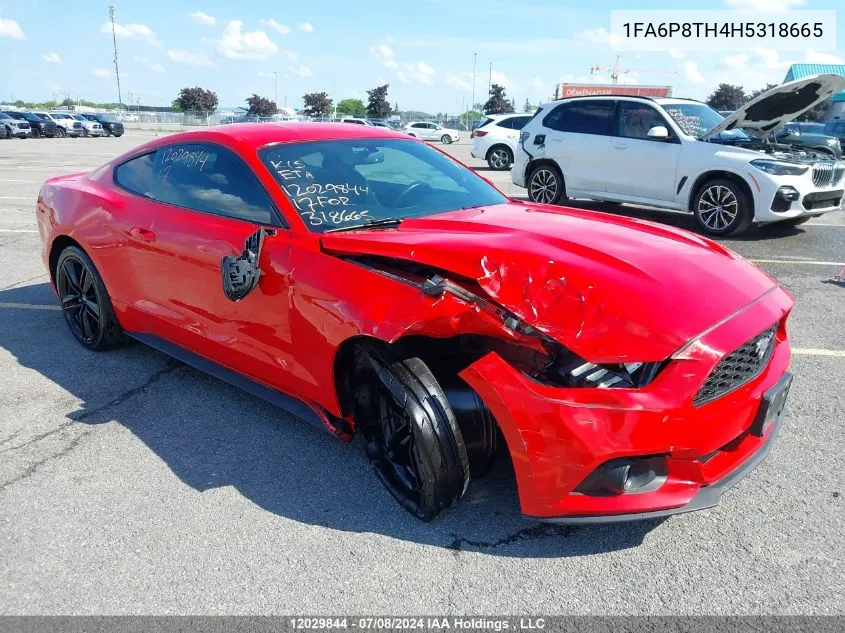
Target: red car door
(202,204)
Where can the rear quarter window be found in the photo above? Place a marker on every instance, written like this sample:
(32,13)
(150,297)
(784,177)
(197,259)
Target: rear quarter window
(136,175)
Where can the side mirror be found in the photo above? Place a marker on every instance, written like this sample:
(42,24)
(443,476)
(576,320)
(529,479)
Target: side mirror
(658,133)
(240,274)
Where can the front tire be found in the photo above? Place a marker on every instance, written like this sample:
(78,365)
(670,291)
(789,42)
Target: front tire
(412,437)
(721,208)
(85,302)
(500,158)
(60,132)
(446,139)
(6,132)
(546,185)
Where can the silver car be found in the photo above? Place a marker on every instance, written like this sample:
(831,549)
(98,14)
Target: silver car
(13,127)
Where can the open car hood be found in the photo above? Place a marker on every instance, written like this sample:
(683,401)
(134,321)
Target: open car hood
(611,289)
(781,104)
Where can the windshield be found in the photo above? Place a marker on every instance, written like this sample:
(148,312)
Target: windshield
(346,183)
(696,118)
(3,115)
(104,118)
(32,117)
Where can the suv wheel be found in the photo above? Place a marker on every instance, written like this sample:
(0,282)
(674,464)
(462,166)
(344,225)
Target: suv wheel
(722,208)
(545,185)
(5,133)
(60,132)
(500,158)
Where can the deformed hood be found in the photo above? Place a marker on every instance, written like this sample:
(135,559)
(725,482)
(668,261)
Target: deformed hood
(611,289)
(781,104)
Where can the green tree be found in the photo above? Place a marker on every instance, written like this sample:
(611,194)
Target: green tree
(756,93)
(195,100)
(727,97)
(351,107)
(528,107)
(317,104)
(498,102)
(377,105)
(261,106)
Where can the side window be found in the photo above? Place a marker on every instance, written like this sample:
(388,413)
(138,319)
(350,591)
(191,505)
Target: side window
(590,117)
(506,123)
(212,179)
(636,119)
(418,125)
(555,119)
(136,175)
(519,122)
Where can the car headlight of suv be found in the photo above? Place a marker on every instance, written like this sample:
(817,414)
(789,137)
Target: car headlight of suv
(777,168)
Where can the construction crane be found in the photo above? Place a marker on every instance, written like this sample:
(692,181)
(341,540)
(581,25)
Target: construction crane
(615,71)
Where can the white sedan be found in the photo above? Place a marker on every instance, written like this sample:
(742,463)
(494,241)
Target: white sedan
(428,131)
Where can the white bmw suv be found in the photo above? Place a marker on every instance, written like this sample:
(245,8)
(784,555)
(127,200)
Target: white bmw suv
(681,154)
(495,140)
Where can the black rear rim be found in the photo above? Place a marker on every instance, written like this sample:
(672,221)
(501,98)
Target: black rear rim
(80,303)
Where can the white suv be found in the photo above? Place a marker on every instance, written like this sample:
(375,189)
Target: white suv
(683,155)
(496,138)
(429,131)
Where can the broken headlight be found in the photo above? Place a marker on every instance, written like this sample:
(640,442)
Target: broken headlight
(570,370)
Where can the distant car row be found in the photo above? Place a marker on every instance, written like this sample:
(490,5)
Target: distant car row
(22,124)
(424,130)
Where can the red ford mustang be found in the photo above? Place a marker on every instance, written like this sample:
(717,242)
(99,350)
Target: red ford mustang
(367,281)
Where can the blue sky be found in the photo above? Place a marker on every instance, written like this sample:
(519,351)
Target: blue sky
(53,48)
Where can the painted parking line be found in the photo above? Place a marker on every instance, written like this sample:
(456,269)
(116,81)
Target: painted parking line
(18,230)
(803,351)
(805,262)
(30,198)
(29,306)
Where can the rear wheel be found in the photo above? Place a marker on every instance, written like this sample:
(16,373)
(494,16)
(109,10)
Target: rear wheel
(85,303)
(500,158)
(721,207)
(545,185)
(60,132)
(412,437)
(446,139)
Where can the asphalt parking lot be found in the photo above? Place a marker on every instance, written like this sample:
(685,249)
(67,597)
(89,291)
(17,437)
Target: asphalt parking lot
(131,484)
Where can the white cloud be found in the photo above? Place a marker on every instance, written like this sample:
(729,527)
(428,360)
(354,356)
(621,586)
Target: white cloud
(815,57)
(291,56)
(771,58)
(262,73)
(190,59)
(418,72)
(774,6)
(692,73)
(10,28)
(736,61)
(300,70)
(237,44)
(460,82)
(145,61)
(599,36)
(674,53)
(52,58)
(502,79)
(274,24)
(132,31)
(102,73)
(306,27)
(385,54)
(537,84)
(199,17)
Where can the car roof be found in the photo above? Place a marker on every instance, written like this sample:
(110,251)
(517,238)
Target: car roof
(255,135)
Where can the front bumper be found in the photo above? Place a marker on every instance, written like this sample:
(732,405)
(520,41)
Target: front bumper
(22,133)
(805,199)
(557,437)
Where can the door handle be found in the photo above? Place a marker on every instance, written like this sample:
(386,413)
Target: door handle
(620,146)
(142,233)
(556,139)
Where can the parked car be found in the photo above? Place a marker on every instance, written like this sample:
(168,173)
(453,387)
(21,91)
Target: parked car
(39,126)
(799,136)
(65,124)
(110,125)
(836,128)
(496,139)
(428,131)
(12,126)
(89,127)
(354,120)
(410,300)
(667,153)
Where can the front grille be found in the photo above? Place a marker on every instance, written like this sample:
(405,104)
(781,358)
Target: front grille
(738,367)
(823,174)
(838,173)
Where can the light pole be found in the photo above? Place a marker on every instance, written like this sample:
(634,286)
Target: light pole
(474,60)
(114,42)
(276,77)
(490,79)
